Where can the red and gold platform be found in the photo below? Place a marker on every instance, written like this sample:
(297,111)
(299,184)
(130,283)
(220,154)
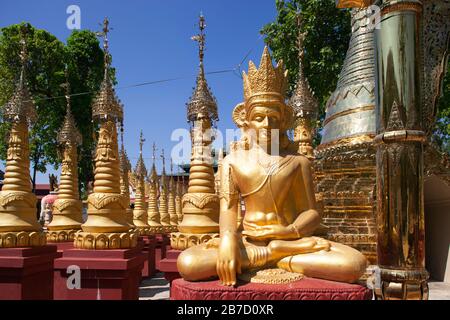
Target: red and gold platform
(104,274)
(304,289)
(162,244)
(149,268)
(168,265)
(27,273)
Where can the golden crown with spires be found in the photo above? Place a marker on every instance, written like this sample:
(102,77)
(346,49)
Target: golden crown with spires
(266,85)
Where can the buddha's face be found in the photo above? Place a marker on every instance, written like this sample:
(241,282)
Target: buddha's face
(262,120)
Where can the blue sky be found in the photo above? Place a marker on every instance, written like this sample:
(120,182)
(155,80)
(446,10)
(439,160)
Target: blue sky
(151,41)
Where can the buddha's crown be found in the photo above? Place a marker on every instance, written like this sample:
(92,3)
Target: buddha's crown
(266,85)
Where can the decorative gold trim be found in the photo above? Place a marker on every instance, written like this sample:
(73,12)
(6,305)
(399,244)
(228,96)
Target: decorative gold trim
(360,138)
(104,241)
(401,136)
(22,239)
(61,235)
(408,6)
(347,112)
(182,241)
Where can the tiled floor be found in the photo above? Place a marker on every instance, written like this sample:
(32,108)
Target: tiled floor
(157,288)
(439,290)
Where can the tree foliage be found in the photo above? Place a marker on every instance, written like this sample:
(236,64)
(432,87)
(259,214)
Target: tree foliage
(48,57)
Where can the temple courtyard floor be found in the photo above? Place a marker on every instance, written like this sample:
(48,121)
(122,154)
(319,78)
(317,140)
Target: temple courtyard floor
(157,288)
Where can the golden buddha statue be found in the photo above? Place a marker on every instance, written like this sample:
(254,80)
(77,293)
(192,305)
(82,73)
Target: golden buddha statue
(276,185)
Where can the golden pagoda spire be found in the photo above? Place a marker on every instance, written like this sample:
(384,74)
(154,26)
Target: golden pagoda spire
(171,199)
(202,100)
(201,203)
(67,209)
(125,167)
(303,103)
(18,223)
(163,210)
(140,216)
(153,210)
(106,226)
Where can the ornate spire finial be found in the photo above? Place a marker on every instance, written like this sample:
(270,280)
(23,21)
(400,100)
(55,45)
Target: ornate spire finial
(141,142)
(23,45)
(163,161)
(303,102)
(141,170)
(69,132)
(21,106)
(202,101)
(104,35)
(300,38)
(154,152)
(106,105)
(201,38)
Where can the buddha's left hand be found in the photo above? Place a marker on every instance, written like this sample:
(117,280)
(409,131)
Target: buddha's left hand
(271,232)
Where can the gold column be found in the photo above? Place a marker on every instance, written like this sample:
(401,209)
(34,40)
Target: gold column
(67,209)
(140,206)
(106,226)
(18,223)
(399,140)
(178,204)
(153,210)
(201,203)
(163,201)
(411,42)
(171,200)
(154,221)
(125,167)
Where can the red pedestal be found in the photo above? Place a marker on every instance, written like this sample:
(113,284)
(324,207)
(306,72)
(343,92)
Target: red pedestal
(62,246)
(168,265)
(149,251)
(162,241)
(305,289)
(104,274)
(27,273)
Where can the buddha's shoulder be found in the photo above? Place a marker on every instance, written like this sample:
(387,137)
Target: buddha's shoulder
(299,161)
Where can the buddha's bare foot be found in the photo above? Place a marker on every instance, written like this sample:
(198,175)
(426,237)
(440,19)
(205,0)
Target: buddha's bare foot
(280,248)
(321,244)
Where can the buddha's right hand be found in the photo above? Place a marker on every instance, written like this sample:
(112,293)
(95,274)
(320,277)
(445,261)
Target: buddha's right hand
(229,259)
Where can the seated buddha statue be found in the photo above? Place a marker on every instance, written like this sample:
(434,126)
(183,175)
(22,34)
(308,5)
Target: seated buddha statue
(276,185)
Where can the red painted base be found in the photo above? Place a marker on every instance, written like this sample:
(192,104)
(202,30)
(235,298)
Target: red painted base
(149,251)
(27,273)
(162,241)
(169,265)
(305,289)
(103,274)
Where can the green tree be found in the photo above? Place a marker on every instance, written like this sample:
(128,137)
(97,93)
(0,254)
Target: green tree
(328,32)
(45,73)
(48,58)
